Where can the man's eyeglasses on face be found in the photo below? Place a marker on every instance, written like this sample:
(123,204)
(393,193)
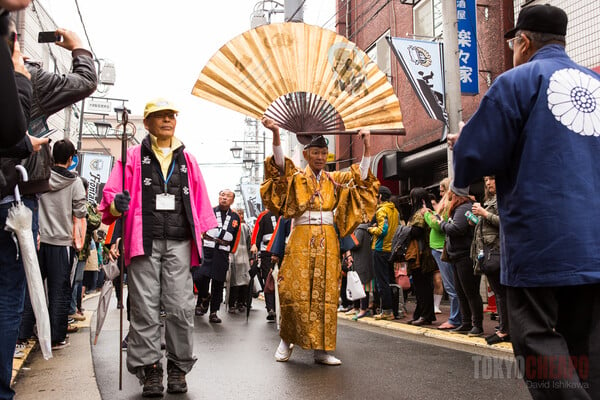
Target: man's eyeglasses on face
(163,115)
(511,42)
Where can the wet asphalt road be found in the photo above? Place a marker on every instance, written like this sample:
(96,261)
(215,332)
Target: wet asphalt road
(235,361)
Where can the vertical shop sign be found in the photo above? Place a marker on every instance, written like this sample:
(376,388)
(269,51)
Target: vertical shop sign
(466,14)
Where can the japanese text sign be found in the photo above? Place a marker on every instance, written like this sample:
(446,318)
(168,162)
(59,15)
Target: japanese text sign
(466,14)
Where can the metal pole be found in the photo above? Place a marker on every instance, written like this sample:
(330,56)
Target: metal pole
(80,125)
(256,172)
(452,72)
(124,121)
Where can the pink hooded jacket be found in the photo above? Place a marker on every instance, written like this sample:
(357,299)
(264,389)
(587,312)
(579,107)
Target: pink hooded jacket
(203,215)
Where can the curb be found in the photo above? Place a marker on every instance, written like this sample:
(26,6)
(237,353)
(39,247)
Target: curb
(18,363)
(433,333)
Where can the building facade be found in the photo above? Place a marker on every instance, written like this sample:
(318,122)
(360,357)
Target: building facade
(420,157)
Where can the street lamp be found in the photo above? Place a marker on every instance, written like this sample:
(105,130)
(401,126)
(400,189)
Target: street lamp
(102,128)
(236,151)
(248,163)
(119,112)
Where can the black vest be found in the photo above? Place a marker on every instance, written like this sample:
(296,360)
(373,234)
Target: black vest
(165,224)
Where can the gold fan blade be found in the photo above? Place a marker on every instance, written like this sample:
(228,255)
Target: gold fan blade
(307,77)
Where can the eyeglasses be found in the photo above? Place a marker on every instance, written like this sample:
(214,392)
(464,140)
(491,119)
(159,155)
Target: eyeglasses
(511,42)
(163,115)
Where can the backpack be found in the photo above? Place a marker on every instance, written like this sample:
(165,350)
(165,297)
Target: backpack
(400,242)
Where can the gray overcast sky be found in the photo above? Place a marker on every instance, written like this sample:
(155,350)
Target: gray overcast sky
(159,49)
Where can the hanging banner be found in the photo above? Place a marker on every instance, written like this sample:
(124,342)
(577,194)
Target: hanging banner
(252,201)
(95,167)
(423,64)
(466,14)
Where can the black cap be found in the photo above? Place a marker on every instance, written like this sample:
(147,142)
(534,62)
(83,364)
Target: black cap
(316,141)
(542,18)
(385,191)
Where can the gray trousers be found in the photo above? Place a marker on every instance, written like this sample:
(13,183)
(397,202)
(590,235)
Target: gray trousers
(162,279)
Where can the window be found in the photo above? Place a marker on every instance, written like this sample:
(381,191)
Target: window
(379,53)
(427,18)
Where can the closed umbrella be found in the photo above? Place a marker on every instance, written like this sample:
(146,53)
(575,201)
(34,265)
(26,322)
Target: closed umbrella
(111,270)
(19,222)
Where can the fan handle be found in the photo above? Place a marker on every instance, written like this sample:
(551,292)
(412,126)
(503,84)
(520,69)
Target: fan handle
(398,132)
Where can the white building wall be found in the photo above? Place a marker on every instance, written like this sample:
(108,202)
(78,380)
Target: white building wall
(583,35)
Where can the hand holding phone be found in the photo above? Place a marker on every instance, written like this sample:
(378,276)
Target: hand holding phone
(49,37)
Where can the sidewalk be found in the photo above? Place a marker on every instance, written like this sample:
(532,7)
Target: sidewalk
(35,373)
(431,331)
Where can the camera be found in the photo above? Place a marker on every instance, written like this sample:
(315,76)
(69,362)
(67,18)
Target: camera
(49,37)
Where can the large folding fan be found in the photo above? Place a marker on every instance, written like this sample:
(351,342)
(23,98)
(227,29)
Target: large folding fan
(308,79)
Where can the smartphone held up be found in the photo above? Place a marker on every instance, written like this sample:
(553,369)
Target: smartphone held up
(49,37)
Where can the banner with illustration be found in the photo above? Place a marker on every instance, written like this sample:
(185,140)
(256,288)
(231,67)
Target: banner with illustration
(423,64)
(95,167)
(252,201)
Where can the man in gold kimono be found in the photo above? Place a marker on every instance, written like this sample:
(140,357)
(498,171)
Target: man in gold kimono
(309,274)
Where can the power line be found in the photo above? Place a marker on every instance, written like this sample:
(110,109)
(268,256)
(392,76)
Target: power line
(297,9)
(85,30)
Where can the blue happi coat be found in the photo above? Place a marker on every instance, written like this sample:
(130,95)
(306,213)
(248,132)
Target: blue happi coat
(538,131)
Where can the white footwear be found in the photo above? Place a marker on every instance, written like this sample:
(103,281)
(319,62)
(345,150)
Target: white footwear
(284,351)
(322,357)
(437,300)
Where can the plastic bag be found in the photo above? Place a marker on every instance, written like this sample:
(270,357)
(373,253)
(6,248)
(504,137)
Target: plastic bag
(354,287)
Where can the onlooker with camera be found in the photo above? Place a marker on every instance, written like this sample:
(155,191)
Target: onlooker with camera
(51,93)
(459,236)
(14,81)
(15,89)
(436,241)
(537,131)
(485,253)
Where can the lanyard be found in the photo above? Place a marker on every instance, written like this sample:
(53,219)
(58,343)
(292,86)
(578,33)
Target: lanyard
(169,175)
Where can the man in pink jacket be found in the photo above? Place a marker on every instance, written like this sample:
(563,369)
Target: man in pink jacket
(166,210)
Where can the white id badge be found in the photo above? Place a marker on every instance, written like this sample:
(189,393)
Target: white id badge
(165,202)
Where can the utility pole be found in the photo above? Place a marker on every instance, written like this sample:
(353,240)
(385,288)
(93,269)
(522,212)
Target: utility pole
(452,72)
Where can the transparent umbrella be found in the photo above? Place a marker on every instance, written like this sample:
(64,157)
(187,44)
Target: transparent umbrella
(19,222)
(111,271)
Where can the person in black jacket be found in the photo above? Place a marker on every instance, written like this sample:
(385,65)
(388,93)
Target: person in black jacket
(15,94)
(261,235)
(13,81)
(52,92)
(217,244)
(459,236)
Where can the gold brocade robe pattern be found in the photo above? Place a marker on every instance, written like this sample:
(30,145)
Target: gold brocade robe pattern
(309,274)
